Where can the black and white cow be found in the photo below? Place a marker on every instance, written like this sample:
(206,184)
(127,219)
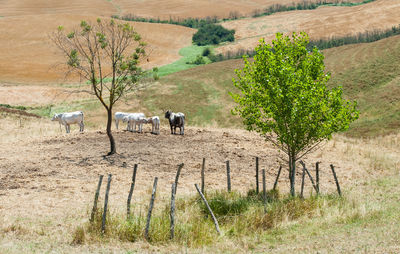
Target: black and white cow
(176,120)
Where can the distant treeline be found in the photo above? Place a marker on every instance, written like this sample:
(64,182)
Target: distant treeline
(365,37)
(199,22)
(188,22)
(368,36)
(305,5)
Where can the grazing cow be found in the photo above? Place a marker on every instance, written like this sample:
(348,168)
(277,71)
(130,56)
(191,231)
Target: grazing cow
(176,120)
(133,119)
(69,118)
(155,124)
(119,116)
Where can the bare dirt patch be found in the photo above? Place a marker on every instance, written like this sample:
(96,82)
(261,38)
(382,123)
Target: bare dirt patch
(324,22)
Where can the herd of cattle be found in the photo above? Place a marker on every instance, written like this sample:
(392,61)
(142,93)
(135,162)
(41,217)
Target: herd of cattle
(132,119)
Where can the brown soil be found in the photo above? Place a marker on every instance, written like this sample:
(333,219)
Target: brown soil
(44,176)
(323,22)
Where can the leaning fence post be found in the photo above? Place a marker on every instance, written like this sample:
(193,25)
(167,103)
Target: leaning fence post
(336,180)
(302,183)
(209,209)
(96,198)
(103,223)
(172,213)
(202,174)
(228,175)
(178,172)
(153,196)
(128,205)
(309,175)
(264,191)
(257,188)
(277,177)
(317,176)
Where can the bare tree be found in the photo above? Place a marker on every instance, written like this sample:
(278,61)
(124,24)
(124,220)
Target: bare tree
(107,54)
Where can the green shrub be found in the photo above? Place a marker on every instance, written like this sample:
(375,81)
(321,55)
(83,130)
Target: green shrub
(212,34)
(206,52)
(225,204)
(199,60)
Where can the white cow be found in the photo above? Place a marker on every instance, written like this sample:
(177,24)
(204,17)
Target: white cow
(120,116)
(69,118)
(155,124)
(134,119)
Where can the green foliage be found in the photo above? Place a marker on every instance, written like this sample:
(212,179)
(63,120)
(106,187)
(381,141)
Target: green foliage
(284,97)
(305,5)
(238,216)
(188,22)
(284,92)
(212,34)
(188,54)
(199,60)
(271,196)
(14,107)
(365,37)
(225,204)
(206,52)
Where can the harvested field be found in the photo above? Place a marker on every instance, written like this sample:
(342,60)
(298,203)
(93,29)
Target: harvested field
(28,56)
(323,22)
(146,8)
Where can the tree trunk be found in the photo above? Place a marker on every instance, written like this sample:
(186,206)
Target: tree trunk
(292,170)
(113,149)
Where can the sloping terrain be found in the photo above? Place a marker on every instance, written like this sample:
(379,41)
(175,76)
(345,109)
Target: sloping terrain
(27,54)
(324,22)
(146,8)
(369,73)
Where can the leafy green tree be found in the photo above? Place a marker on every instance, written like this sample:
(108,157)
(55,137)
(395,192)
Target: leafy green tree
(284,97)
(107,54)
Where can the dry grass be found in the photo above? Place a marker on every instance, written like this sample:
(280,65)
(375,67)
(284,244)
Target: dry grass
(53,170)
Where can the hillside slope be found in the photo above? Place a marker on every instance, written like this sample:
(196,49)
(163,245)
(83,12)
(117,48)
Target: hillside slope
(369,73)
(323,22)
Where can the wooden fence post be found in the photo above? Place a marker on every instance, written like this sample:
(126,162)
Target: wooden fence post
(336,180)
(228,175)
(172,213)
(202,174)
(257,165)
(309,175)
(128,205)
(302,183)
(178,172)
(153,196)
(209,209)
(96,198)
(277,177)
(264,191)
(103,223)
(317,175)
